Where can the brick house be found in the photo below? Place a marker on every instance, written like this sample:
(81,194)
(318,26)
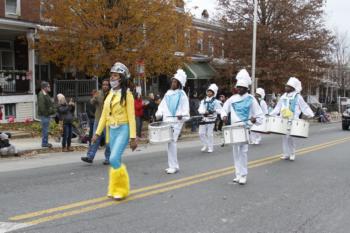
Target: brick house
(21,69)
(19,20)
(204,42)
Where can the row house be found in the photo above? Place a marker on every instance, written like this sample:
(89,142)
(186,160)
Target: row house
(19,20)
(205,46)
(207,52)
(21,69)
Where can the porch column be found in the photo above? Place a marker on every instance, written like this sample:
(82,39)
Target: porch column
(31,59)
(31,67)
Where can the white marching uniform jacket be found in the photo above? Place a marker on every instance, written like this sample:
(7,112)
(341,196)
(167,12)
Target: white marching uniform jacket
(254,111)
(264,107)
(288,99)
(183,108)
(256,137)
(217,109)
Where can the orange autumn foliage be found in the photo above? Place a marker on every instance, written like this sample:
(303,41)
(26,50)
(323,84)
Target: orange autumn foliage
(91,35)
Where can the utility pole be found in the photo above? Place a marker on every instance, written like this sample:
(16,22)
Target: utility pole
(254,45)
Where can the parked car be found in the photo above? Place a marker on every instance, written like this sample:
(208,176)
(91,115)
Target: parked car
(346,118)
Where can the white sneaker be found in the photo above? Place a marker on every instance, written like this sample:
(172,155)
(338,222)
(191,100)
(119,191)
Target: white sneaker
(236,179)
(171,170)
(243,180)
(210,150)
(204,148)
(284,157)
(292,158)
(117,198)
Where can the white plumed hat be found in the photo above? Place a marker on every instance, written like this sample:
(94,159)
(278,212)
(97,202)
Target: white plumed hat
(261,92)
(295,83)
(213,87)
(243,79)
(181,77)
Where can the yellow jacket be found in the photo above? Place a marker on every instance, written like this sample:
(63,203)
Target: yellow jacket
(115,114)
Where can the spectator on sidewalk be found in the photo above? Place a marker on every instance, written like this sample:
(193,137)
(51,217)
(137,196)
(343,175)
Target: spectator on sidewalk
(6,149)
(66,115)
(138,114)
(151,108)
(45,110)
(220,121)
(98,100)
(90,111)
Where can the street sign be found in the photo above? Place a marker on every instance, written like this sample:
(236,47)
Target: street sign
(140,68)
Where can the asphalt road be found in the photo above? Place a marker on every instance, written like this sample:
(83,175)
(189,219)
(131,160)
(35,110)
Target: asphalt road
(311,194)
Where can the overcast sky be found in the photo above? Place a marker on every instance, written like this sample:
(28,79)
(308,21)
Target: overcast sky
(338,12)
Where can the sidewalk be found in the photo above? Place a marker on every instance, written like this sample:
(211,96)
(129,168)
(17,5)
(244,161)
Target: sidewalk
(32,145)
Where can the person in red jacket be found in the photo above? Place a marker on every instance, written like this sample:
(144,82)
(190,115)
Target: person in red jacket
(139,114)
(0,113)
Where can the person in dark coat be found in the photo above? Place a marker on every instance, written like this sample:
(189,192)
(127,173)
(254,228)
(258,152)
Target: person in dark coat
(66,114)
(45,110)
(194,105)
(90,111)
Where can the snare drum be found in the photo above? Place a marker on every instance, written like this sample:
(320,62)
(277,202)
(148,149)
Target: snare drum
(261,128)
(235,134)
(277,125)
(160,132)
(299,128)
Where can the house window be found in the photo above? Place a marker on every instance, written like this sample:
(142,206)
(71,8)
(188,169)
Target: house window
(187,39)
(222,49)
(6,60)
(10,110)
(200,45)
(210,46)
(13,7)
(6,56)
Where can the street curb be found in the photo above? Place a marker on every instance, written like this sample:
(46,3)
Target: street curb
(84,147)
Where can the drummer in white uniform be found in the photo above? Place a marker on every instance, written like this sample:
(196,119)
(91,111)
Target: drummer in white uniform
(260,96)
(243,108)
(209,108)
(290,106)
(174,108)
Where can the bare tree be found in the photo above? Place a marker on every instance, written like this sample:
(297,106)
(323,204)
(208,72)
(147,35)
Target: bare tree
(341,57)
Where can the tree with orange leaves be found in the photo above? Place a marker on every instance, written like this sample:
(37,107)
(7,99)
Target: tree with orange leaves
(91,35)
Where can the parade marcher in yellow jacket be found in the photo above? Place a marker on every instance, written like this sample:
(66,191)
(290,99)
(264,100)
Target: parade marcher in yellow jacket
(118,117)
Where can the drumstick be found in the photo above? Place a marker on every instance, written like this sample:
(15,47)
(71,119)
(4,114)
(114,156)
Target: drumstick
(179,116)
(240,121)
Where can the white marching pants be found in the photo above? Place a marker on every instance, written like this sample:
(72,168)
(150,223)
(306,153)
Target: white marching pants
(255,137)
(172,147)
(240,158)
(288,145)
(206,135)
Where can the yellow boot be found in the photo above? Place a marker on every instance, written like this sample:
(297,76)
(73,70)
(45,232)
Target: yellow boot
(111,182)
(121,183)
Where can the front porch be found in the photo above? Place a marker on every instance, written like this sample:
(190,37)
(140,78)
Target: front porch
(17,100)
(15,82)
